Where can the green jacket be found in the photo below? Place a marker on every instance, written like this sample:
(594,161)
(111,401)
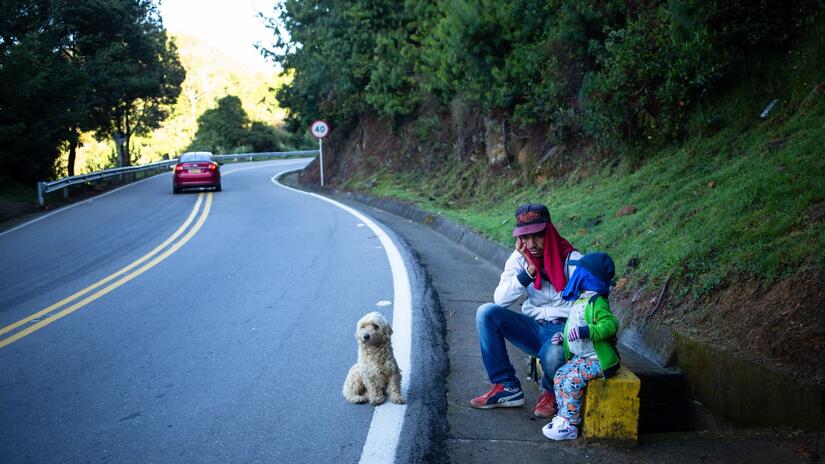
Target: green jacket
(602,326)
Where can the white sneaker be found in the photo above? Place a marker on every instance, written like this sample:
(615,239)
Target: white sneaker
(560,429)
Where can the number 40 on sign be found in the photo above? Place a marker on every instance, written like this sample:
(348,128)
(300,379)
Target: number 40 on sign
(320,129)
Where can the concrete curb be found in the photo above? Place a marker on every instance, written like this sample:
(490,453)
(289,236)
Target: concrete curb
(486,249)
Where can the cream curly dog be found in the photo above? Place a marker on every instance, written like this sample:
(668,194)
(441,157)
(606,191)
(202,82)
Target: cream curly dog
(376,369)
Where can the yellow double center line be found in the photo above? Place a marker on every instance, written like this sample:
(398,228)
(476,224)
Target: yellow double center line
(117,279)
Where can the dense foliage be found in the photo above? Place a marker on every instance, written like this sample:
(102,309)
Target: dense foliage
(607,69)
(80,65)
(333,46)
(210,76)
(227,129)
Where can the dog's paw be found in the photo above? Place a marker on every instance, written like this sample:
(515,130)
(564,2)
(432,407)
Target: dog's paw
(357,399)
(378,400)
(397,399)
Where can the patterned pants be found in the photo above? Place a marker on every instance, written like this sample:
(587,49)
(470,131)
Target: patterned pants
(569,384)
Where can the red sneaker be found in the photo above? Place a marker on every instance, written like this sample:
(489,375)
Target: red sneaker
(499,396)
(546,405)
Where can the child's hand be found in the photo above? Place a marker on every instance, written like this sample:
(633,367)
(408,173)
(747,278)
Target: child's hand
(557,339)
(576,333)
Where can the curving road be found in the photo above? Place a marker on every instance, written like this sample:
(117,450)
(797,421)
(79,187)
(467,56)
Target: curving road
(141,326)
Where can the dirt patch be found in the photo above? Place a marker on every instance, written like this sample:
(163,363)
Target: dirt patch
(368,148)
(781,327)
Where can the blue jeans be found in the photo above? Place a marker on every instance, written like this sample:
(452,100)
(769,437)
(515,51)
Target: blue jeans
(495,323)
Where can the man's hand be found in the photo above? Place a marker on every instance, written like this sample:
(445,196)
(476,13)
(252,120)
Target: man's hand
(520,245)
(522,248)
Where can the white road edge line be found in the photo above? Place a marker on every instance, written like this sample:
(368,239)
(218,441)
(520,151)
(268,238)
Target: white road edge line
(388,419)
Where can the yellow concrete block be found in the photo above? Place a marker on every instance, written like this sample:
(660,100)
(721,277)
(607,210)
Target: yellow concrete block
(611,408)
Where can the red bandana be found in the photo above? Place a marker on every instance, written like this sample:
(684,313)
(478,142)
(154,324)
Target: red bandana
(556,249)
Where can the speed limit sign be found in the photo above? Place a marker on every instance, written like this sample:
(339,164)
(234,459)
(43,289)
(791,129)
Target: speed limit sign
(319,129)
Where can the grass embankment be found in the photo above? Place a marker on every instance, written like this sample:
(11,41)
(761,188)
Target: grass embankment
(739,196)
(15,193)
(16,200)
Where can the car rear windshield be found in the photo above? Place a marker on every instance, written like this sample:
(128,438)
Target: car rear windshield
(194,157)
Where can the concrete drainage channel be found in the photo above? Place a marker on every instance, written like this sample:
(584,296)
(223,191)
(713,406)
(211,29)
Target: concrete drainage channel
(665,404)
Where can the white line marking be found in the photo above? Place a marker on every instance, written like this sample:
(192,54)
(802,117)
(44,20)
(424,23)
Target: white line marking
(388,419)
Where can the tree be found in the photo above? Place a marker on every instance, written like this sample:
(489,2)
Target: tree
(610,70)
(227,129)
(37,90)
(223,128)
(73,65)
(335,49)
(137,77)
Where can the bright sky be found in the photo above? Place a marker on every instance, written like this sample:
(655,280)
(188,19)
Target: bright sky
(229,25)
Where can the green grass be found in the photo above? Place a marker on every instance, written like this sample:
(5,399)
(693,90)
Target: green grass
(720,204)
(16,193)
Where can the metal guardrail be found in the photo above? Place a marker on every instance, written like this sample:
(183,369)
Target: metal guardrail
(262,156)
(48,187)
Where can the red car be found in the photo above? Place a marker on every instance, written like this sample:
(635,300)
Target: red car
(195,170)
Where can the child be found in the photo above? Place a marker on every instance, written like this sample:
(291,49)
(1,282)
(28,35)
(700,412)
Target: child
(587,342)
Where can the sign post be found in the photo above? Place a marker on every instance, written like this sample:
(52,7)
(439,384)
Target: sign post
(320,129)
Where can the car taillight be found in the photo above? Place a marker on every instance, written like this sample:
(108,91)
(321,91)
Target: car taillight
(178,168)
(213,167)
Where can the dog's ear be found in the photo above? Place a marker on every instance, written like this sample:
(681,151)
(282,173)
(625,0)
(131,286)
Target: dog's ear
(388,330)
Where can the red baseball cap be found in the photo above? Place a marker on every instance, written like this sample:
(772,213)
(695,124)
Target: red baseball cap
(531,218)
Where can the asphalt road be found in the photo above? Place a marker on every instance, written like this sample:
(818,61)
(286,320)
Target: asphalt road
(222,329)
